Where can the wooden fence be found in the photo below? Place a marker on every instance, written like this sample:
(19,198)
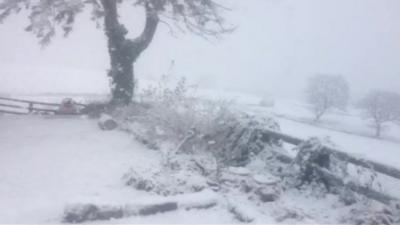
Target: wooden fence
(11,106)
(25,107)
(377,167)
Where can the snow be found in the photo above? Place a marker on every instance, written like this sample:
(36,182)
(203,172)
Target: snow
(239,171)
(266,179)
(215,215)
(348,131)
(374,149)
(104,117)
(204,198)
(46,163)
(50,163)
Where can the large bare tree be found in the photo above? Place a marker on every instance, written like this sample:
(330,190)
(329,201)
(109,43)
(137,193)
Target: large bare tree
(201,17)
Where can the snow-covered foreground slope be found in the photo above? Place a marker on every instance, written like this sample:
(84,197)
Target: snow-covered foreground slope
(45,163)
(49,163)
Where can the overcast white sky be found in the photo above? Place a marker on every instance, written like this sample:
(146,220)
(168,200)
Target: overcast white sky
(277,45)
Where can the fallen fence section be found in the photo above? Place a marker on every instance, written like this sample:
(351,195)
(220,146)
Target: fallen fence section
(367,192)
(378,167)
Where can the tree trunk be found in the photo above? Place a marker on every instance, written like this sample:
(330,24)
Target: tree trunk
(122,81)
(318,115)
(378,130)
(124,52)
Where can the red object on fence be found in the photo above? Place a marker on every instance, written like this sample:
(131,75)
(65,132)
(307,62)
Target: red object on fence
(68,106)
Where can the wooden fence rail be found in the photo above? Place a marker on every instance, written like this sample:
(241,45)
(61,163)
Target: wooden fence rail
(12,106)
(29,102)
(35,102)
(7,106)
(12,112)
(378,167)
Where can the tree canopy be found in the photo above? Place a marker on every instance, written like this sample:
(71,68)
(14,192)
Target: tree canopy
(200,17)
(46,17)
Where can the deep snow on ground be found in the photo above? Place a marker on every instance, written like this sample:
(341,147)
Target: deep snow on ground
(48,162)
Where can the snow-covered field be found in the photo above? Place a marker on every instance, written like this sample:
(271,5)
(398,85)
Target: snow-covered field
(349,131)
(47,163)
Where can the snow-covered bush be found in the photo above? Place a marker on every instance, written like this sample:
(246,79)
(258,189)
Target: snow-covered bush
(170,112)
(183,175)
(171,115)
(197,138)
(235,142)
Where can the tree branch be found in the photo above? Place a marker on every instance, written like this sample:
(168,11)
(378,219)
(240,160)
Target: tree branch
(145,38)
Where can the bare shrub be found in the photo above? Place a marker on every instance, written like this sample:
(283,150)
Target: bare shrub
(381,107)
(325,92)
(170,112)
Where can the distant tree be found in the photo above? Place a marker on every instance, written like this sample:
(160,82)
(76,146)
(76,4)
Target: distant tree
(325,92)
(201,17)
(381,107)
